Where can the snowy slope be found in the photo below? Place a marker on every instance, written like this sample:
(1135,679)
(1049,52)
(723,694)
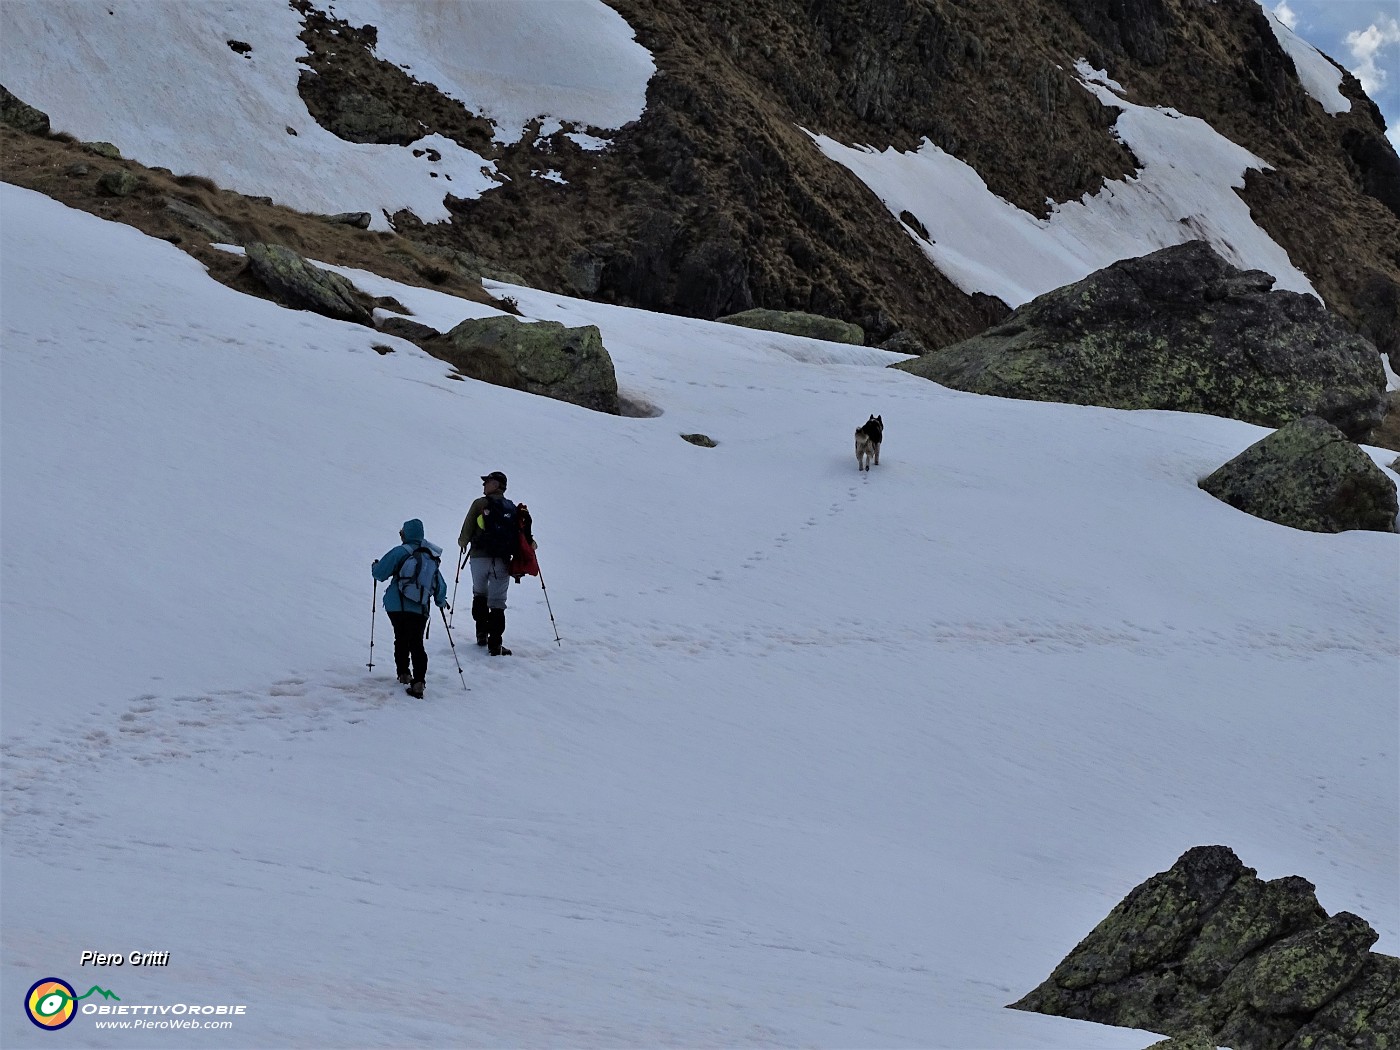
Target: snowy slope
(821,759)
(158,78)
(1185,190)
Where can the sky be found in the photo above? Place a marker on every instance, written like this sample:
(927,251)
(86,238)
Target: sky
(1362,35)
(786,754)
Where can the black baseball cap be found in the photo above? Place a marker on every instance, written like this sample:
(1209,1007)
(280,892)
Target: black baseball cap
(495,475)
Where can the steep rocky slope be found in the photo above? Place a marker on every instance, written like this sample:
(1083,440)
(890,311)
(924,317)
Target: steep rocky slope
(715,200)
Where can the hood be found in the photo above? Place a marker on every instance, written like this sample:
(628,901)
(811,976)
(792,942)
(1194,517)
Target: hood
(412,533)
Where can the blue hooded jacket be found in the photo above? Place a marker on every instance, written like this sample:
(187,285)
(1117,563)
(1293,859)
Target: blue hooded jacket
(385,567)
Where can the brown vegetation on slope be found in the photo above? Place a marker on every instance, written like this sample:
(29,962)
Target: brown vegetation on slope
(69,171)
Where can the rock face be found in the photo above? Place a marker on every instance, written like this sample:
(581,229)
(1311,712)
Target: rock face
(21,115)
(541,357)
(1208,948)
(714,201)
(297,283)
(1178,329)
(795,322)
(1307,475)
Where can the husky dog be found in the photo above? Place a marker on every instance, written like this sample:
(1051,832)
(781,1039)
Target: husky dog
(868,437)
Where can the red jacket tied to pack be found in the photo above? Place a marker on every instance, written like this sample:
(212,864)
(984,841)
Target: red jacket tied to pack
(523,562)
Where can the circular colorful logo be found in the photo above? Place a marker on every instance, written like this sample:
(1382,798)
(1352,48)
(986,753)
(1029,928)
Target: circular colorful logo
(50,1003)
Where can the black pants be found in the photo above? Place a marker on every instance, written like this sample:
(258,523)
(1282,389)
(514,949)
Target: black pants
(409,629)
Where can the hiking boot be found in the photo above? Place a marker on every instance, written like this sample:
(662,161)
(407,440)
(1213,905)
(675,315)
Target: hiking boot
(415,690)
(480,615)
(404,678)
(496,626)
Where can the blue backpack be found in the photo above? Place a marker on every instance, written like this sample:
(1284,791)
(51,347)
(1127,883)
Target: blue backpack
(416,576)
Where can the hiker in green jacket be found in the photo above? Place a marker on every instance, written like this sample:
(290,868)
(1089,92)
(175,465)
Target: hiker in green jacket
(491,538)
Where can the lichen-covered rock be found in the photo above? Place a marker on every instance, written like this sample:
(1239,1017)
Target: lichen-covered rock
(703,440)
(296,283)
(1307,475)
(1209,954)
(795,322)
(1365,1015)
(21,115)
(540,357)
(1153,924)
(119,183)
(103,149)
(1178,329)
(1251,913)
(1300,974)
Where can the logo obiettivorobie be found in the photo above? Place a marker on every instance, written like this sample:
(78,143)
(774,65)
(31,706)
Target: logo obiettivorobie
(51,1003)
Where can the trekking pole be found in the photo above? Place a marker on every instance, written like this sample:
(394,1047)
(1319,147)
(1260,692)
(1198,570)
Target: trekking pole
(547,606)
(454,649)
(460,562)
(373,615)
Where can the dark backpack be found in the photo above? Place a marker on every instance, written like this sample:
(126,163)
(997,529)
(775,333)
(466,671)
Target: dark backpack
(416,576)
(500,529)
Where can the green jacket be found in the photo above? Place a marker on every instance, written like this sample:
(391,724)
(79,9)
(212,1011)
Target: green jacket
(473,526)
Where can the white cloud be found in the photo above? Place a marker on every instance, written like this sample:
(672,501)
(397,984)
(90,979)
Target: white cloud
(1365,45)
(1286,14)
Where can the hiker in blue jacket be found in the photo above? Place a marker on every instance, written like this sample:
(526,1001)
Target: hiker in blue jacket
(406,600)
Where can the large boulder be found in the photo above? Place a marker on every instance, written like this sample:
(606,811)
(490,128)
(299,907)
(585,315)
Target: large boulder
(539,357)
(297,283)
(795,322)
(21,115)
(1178,329)
(1207,949)
(1307,475)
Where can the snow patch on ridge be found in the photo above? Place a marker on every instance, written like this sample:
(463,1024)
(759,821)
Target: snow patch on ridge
(1185,190)
(1321,79)
(161,82)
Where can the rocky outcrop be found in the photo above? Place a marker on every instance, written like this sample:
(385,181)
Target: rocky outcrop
(795,322)
(404,328)
(1178,329)
(1307,475)
(295,282)
(359,116)
(201,221)
(1136,28)
(540,357)
(118,183)
(103,149)
(1206,951)
(21,115)
(358,219)
(905,343)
